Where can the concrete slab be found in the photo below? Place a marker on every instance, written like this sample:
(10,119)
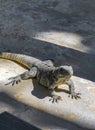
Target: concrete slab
(29,92)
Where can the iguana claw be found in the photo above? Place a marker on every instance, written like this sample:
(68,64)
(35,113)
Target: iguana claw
(14,80)
(75,95)
(55,98)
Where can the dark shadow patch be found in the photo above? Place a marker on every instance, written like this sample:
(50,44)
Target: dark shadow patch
(39,90)
(11,122)
(42,91)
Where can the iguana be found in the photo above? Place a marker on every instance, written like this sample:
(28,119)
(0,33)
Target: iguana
(44,72)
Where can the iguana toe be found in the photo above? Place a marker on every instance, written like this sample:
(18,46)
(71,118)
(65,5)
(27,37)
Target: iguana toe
(14,80)
(75,95)
(55,98)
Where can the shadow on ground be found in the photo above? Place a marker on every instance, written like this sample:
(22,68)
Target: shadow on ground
(38,89)
(37,118)
(10,122)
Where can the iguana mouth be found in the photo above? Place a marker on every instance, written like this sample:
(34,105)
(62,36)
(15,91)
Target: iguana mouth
(62,79)
(64,76)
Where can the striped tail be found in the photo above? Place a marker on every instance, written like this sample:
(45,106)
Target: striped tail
(18,58)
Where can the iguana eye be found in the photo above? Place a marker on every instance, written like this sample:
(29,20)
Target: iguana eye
(66,70)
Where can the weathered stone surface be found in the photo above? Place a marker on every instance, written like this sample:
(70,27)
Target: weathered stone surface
(81,111)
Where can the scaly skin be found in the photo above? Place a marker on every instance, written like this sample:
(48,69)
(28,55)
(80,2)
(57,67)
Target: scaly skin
(45,72)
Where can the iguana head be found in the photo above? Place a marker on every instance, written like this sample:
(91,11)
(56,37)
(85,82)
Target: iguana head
(67,70)
(63,72)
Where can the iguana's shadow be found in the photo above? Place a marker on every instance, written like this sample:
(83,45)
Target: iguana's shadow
(41,91)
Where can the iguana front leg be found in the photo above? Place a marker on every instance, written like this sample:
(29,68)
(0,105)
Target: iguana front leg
(73,94)
(27,74)
(54,97)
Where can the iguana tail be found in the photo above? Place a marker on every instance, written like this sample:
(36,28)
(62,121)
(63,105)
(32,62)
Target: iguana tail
(18,58)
